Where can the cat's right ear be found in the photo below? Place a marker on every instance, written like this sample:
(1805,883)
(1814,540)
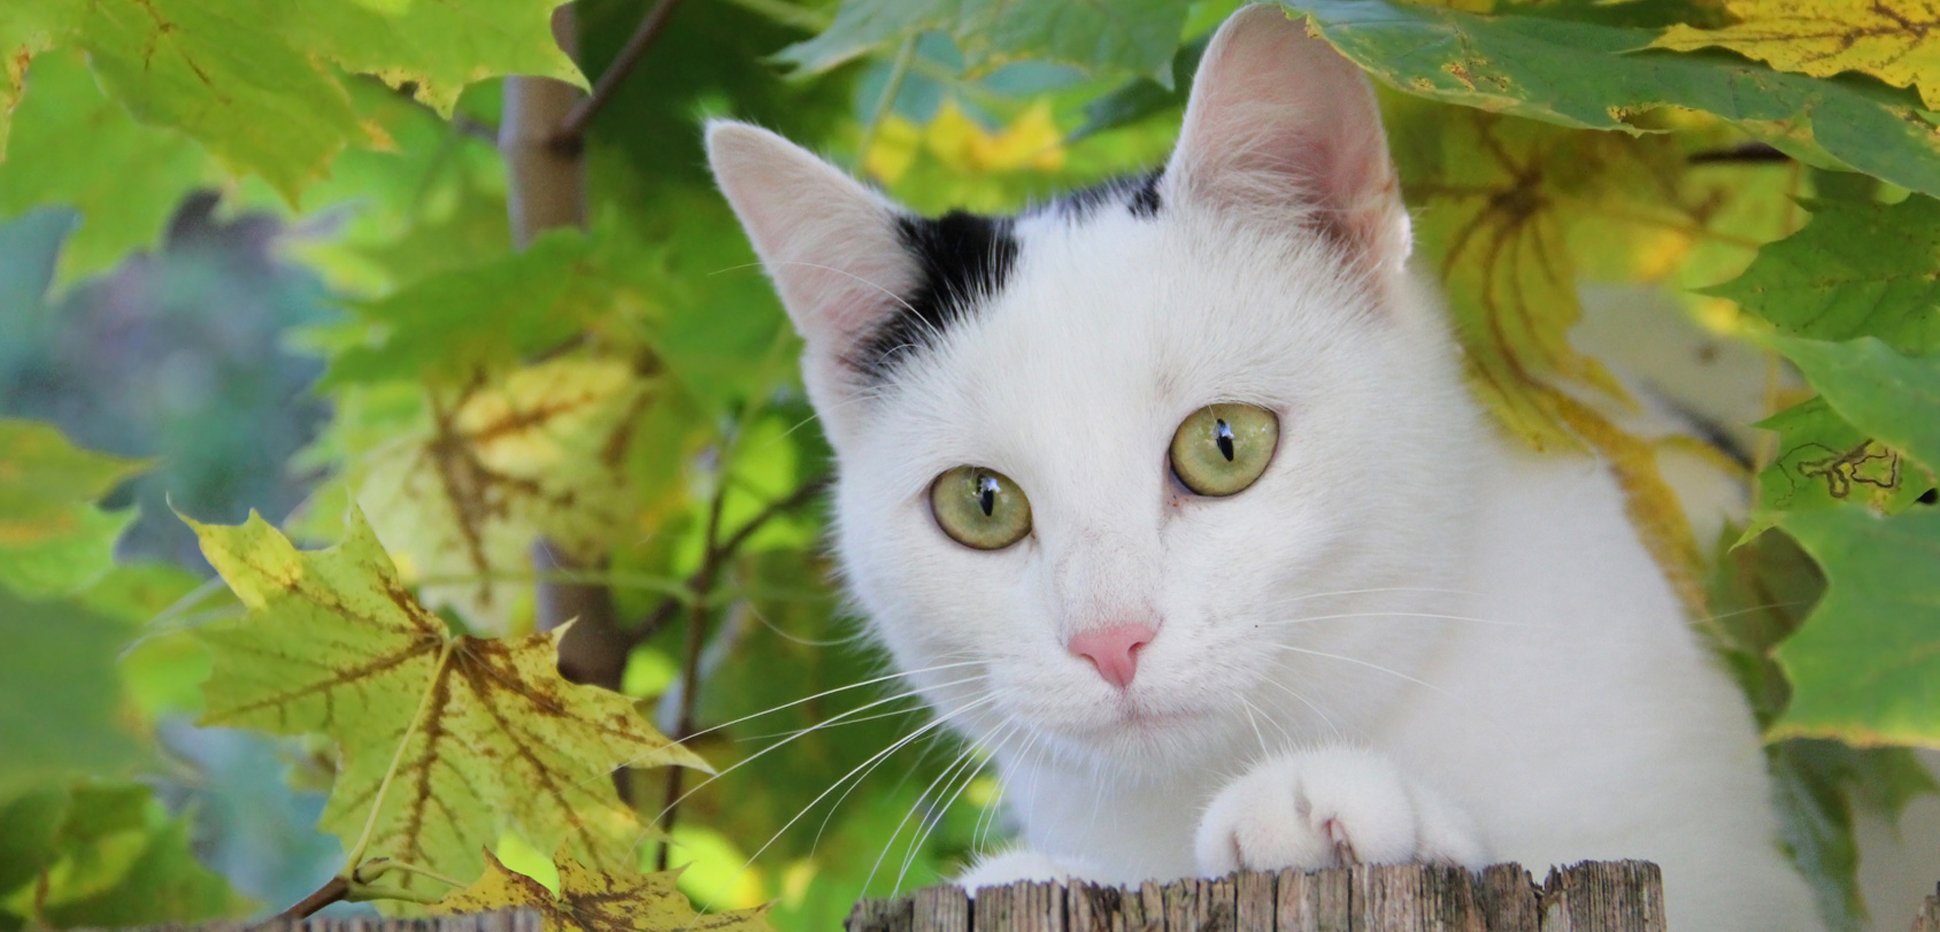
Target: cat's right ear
(829,243)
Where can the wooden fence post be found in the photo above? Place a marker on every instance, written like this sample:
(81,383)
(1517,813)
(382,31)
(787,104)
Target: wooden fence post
(1620,896)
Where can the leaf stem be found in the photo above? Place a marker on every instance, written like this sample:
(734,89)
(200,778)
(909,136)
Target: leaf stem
(362,892)
(372,870)
(571,133)
(356,857)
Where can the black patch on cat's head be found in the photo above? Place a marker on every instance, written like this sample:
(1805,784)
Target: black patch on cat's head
(961,258)
(1138,194)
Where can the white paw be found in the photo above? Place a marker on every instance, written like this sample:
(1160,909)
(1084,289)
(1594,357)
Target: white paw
(1011,866)
(1315,809)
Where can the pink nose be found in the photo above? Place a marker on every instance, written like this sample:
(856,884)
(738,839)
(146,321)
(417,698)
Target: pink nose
(1114,651)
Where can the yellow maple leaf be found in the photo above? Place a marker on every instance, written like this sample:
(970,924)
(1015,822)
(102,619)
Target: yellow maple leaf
(1506,209)
(1896,41)
(536,452)
(598,901)
(1032,141)
(446,739)
(892,150)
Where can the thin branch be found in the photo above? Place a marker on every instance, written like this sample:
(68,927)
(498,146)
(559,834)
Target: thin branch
(332,892)
(664,613)
(571,133)
(802,495)
(690,665)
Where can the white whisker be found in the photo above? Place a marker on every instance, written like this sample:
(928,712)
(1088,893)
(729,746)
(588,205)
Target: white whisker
(1371,666)
(838,689)
(898,745)
(1404,615)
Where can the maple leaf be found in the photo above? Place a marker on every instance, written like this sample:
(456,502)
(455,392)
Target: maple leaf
(598,901)
(52,538)
(538,452)
(27,29)
(1499,201)
(446,739)
(1881,615)
(1892,40)
(1824,462)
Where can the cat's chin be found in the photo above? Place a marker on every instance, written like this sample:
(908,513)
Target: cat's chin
(1139,737)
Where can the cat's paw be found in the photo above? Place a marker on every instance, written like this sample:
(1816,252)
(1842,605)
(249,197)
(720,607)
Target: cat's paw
(1315,809)
(993,870)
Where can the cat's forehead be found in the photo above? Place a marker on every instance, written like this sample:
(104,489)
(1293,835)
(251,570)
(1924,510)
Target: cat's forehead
(1100,319)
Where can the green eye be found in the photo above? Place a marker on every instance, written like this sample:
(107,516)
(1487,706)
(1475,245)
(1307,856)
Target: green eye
(980,508)
(1222,449)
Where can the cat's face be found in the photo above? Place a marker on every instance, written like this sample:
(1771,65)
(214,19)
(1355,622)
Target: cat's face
(1058,355)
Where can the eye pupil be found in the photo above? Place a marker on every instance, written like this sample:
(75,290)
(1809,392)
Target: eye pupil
(1225,465)
(1223,437)
(980,508)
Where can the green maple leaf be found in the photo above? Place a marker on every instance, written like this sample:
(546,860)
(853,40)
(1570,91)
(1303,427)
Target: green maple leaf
(75,147)
(1889,396)
(1858,269)
(104,855)
(436,49)
(52,538)
(447,327)
(1101,35)
(1865,666)
(60,701)
(1823,462)
(1589,75)
(447,740)
(228,79)
(27,28)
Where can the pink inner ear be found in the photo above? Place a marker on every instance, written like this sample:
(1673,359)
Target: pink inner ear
(829,243)
(1279,120)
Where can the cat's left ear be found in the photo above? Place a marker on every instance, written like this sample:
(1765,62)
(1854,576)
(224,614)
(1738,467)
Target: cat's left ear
(1280,123)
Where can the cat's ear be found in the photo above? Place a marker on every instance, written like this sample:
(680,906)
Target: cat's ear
(1278,121)
(830,243)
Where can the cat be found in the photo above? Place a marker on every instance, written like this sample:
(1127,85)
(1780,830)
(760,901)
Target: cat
(1172,495)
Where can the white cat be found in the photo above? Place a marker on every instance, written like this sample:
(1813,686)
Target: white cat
(1378,630)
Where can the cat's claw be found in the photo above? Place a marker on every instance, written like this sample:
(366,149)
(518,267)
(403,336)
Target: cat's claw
(1325,808)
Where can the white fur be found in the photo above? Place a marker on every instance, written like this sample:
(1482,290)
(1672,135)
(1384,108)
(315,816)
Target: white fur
(1411,638)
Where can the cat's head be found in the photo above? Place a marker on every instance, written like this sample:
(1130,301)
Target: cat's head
(1239,324)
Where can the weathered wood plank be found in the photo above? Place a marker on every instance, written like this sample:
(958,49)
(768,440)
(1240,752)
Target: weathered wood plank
(1255,900)
(941,909)
(1414,898)
(1622,896)
(1151,906)
(1508,898)
(1929,918)
(897,915)
(1604,896)
(1315,902)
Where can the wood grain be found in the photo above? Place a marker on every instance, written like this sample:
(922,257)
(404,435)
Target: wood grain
(1621,896)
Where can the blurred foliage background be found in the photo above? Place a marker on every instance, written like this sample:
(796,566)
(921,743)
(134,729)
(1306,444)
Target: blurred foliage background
(308,293)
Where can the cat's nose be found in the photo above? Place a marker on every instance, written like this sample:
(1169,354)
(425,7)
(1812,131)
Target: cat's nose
(1114,651)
